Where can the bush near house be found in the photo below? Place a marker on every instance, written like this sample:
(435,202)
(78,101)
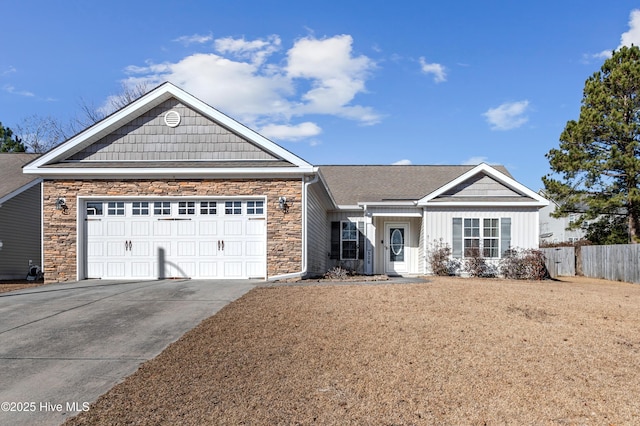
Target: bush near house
(523,265)
(516,264)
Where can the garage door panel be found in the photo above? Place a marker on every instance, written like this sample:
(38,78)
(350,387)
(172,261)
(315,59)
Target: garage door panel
(141,269)
(232,228)
(208,269)
(208,248)
(255,227)
(140,228)
(141,248)
(116,248)
(162,248)
(186,248)
(116,269)
(186,228)
(162,228)
(208,228)
(255,269)
(255,248)
(233,269)
(232,248)
(116,228)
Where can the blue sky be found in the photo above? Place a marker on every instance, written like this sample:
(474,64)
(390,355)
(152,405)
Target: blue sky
(335,82)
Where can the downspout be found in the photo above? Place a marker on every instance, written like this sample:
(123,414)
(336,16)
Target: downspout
(305,227)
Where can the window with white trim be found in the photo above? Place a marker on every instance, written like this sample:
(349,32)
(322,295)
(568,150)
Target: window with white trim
(186,207)
(233,207)
(94,208)
(140,208)
(490,236)
(162,208)
(115,208)
(208,207)
(347,240)
(255,207)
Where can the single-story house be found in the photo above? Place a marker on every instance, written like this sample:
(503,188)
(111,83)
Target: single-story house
(20,218)
(170,187)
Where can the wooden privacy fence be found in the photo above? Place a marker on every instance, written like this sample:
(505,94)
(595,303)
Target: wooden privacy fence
(619,262)
(560,261)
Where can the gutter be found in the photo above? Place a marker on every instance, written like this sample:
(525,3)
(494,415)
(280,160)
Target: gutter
(305,227)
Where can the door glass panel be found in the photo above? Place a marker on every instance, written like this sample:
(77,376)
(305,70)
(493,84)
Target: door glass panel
(396,244)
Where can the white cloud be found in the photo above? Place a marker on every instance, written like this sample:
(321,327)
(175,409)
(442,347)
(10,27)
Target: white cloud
(335,75)
(11,89)
(194,39)
(438,71)
(257,51)
(632,36)
(252,81)
(404,162)
(291,132)
(9,70)
(509,115)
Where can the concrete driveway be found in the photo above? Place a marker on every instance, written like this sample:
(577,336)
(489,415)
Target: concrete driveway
(64,345)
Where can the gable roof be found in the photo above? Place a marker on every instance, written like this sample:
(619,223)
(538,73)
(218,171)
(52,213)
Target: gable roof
(351,185)
(137,140)
(12,180)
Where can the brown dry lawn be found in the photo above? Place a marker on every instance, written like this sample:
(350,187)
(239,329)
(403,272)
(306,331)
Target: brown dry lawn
(449,351)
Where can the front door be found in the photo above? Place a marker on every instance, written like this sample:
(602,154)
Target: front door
(396,245)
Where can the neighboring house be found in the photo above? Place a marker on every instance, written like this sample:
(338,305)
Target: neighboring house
(170,187)
(554,230)
(20,218)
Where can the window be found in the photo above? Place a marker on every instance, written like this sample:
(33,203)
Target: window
(255,207)
(162,208)
(94,209)
(115,208)
(491,236)
(347,240)
(490,242)
(208,207)
(187,207)
(471,236)
(140,208)
(233,207)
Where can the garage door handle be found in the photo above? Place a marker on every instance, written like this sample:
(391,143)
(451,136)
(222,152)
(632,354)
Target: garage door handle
(222,245)
(127,245)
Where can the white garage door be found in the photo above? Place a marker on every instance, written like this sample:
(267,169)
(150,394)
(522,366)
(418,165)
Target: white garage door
(170,238)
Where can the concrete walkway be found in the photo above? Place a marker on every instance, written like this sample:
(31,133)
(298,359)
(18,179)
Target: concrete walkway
(64,345)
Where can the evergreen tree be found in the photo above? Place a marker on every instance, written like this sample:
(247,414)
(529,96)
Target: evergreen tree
(597,165)
(9,142)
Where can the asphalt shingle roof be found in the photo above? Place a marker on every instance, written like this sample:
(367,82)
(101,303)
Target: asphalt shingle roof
(11,176)
(351,184)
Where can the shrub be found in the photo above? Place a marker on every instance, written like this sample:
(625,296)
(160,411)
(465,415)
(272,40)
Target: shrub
(439,258)
(337,273)
(476,265)
(524,265)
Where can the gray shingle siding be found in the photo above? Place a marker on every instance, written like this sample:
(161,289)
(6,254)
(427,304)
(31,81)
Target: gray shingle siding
(149,138)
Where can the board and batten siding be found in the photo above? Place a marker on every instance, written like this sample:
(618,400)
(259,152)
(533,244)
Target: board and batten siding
(524,224)
(20,225)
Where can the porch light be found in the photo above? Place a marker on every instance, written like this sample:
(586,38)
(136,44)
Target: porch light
(284,204)
(61,204)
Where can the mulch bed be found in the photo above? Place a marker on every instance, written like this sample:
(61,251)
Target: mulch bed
(11,285)
(450,351)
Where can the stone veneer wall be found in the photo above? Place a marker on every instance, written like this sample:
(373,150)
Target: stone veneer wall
(284,231)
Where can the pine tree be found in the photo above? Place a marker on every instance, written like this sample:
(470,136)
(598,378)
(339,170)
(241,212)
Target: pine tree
(596,169)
